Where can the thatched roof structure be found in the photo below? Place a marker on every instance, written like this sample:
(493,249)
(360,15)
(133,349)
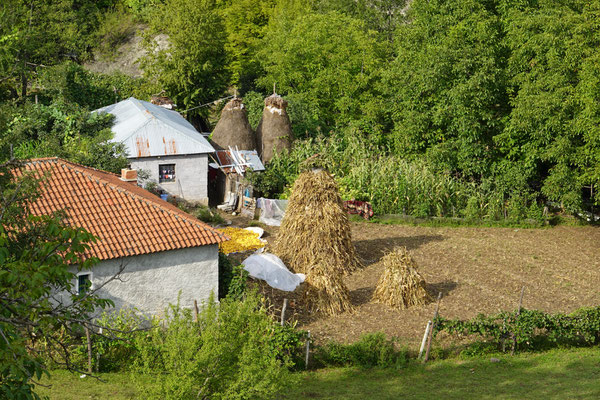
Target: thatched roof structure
(315,239)
(233,128)
(400,286)
(274,131)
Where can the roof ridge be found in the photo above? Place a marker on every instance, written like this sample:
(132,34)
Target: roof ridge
(171,210)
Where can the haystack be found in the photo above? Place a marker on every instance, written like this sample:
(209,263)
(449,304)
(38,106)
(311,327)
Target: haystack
(400,286)
(233,128)
(315,228)
(314,239)
(274,131)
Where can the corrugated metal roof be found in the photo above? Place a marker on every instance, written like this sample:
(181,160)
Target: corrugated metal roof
(148,130)
(248,158)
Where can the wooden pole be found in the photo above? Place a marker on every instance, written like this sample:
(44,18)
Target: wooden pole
(435,315)
(307,350)
(89,347)
(514,344)
(196,310)
(285,302)
(424,341)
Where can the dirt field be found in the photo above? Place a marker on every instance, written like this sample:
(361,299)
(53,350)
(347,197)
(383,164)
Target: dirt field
(478,270)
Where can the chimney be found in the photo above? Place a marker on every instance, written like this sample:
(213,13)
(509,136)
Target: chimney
(129,175)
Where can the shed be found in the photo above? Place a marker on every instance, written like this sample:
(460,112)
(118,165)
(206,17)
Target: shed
(165,254)
(163,143)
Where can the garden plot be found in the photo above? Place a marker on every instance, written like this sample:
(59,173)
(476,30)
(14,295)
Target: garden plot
(478,270)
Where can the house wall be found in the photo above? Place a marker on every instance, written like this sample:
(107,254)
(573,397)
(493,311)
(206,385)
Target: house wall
(191,175)
(151,282)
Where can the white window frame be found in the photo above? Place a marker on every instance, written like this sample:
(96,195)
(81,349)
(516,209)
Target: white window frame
(91,278)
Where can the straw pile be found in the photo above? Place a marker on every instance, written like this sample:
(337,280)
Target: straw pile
(274,131)
(400,286)
(314,239)
(233,128)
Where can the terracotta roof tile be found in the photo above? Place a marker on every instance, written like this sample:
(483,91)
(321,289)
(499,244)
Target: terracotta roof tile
(127,219)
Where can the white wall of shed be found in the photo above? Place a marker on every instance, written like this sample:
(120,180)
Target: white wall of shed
(191,175)
(151,282)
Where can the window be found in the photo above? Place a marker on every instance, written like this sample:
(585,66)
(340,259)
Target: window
(84,283)
(166,173)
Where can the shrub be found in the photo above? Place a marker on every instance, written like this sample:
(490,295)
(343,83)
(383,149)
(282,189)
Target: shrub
(372,350)
(532,329)
(232,278)
(114,348)
(232,352)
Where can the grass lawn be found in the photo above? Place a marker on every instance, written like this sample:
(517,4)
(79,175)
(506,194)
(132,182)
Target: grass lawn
(559,374)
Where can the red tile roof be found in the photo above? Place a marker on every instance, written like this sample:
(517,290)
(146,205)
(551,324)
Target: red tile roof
(127,219)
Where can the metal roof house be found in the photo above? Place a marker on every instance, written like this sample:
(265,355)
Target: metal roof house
(163,143)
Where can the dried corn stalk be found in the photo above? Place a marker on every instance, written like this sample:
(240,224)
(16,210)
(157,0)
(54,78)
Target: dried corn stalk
(400,286)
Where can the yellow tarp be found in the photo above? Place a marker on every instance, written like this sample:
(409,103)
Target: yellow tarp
(241,240)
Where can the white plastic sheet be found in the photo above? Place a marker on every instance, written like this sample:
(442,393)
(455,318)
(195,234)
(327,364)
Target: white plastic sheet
(271,211)
(270,268)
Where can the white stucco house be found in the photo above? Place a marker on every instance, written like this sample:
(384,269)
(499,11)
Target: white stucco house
(165,144)
(161,251)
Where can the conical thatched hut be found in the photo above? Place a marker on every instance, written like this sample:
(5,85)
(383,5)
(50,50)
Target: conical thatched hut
(233,128)
(274,131)
(315,239)
(400,286)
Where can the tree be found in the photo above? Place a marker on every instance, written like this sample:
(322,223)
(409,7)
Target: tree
(192,67)
(555,96)
(326,64)
(46,32)
(35,255)
(245,22)
(446,89)
(63,130)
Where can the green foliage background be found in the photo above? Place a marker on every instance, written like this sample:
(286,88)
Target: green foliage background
(475,108)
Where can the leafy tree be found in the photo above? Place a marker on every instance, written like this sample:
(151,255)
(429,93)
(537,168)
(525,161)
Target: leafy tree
(555,93)
(36,254)
(446,88)
(192,68)
(63,130)
(245,22)
(325,63)
(45,33)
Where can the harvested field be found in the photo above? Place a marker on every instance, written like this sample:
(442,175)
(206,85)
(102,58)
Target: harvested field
(478,270)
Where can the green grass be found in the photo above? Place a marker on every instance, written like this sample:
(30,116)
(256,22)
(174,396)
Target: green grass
(572,374)
(65,385)
(558,374)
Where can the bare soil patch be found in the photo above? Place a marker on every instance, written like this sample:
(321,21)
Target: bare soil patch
(478,270)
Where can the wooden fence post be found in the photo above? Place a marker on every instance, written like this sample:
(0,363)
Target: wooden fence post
(285,302)
(307,350)
(424,341)
(435,315)
(514,344)
(89,347)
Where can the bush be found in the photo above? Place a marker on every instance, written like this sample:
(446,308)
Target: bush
(533,329)
(372,350)
(115,348)
(234,351)
(232,278)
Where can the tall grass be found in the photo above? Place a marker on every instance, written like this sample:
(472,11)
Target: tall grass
(393,184)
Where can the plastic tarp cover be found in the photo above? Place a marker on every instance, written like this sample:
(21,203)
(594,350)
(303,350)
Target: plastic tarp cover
(271,211)
(270,268)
